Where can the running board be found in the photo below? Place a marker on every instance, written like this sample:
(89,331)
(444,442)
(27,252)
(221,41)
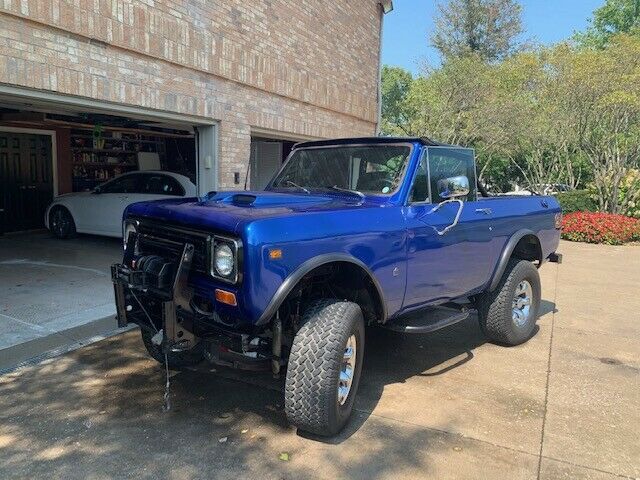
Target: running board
(428,320)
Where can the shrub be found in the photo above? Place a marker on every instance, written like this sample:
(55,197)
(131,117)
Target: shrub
(607,228)
(577,201)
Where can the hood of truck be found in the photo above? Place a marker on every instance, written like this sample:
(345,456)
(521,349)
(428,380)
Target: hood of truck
(229,211)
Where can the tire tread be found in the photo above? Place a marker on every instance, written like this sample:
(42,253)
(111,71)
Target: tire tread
(493,306)
(314,363)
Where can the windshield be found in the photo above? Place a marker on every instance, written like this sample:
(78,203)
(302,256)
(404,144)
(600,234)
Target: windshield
(374,169)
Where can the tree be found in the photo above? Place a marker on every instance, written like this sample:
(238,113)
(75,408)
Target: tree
(395,85)
(601,94)
(487,28)
(614,17)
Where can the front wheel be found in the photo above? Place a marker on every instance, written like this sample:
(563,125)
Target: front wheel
(324,367)
(61,223)
(508,314)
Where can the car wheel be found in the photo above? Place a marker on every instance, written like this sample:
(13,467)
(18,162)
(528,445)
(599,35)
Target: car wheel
(187,358)
(61,223)
(324,367)
(508,314)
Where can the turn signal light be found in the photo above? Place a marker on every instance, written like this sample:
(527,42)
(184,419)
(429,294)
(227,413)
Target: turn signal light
(275,254)
(227,298)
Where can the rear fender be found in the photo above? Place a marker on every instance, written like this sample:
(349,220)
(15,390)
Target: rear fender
(507,251)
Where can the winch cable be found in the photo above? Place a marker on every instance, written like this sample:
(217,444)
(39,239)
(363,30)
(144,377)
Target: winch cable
(167,387)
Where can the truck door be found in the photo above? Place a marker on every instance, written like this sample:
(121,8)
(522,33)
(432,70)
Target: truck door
(442,267)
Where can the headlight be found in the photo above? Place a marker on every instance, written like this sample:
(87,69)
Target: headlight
(128,227)
(223,260)
(225,257)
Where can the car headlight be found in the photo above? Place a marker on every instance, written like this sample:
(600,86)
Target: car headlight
(226,258)
(128,227)
(223,260)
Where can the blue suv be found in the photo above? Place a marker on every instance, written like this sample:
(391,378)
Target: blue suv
(351,233)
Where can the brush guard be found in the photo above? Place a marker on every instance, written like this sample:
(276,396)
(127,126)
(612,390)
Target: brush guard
(176,328)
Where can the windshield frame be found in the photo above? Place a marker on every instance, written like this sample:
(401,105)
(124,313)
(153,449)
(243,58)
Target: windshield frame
(402,176)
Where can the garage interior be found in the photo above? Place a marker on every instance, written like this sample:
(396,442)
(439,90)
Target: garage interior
(44,153)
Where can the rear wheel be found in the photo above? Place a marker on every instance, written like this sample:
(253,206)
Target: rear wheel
(324,367)
(508,314)
(61,223)
(176,359)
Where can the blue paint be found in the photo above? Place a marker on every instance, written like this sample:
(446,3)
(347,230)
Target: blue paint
(384,232)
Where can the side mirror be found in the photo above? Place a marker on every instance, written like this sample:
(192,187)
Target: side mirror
(97,190)
(453,187)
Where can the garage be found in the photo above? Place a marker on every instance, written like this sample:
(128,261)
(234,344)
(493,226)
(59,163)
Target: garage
(51,146)
(267,156)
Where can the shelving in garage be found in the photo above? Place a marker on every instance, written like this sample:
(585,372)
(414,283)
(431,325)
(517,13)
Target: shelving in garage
(97,158)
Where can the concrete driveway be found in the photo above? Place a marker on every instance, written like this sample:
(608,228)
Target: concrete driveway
(54,292)
(445,405)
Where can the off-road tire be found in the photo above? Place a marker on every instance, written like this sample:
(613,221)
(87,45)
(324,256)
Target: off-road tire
(64,230)
(311,395)
(495,308)
(176,359)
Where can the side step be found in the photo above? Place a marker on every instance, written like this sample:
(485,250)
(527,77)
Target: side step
(428,320)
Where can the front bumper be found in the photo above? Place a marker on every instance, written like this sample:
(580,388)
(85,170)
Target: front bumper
(162,300)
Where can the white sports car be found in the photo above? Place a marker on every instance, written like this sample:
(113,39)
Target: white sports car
(99,212)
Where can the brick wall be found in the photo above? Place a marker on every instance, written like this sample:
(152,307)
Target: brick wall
(304,67)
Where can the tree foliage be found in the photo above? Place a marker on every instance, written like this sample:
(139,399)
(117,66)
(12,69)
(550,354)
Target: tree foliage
(557,115)
(395,86)
(488,29)
(614,17)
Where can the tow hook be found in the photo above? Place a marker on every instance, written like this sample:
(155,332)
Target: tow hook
(555,258)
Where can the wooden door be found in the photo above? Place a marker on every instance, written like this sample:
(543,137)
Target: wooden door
(26,180)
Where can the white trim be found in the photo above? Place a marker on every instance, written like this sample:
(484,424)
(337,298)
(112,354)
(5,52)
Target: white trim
(54,153)
(276,135)
(85,103)
(207,176)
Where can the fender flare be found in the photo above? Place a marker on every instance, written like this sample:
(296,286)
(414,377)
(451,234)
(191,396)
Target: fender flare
(506,255)
(292,280)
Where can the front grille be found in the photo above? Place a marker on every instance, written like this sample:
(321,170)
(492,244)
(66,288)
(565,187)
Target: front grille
(168,242)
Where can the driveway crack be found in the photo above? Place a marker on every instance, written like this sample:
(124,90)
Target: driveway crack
(546,389)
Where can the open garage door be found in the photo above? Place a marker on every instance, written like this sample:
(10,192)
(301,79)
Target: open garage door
(55,145)
(267,156)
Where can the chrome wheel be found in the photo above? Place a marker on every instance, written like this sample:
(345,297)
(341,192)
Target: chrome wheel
(347,370)
(521,304)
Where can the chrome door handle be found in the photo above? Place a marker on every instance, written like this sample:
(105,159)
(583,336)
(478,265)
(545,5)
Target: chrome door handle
(486,211)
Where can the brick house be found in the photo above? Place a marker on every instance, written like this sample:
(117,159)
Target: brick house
(216,89)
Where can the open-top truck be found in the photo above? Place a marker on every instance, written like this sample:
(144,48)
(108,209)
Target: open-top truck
(350,233)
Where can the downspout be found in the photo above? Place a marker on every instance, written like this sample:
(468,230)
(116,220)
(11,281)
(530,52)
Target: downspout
(386,6)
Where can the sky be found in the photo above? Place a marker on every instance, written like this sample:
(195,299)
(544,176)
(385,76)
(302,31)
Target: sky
(405,40)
